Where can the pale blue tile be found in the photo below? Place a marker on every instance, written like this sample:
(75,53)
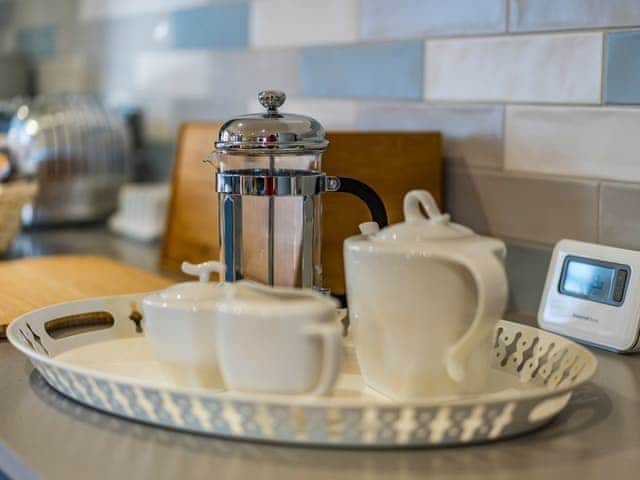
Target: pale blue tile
(37,42)
(374,70)
(622,71)
(533,15)
(413,18)
(211,26)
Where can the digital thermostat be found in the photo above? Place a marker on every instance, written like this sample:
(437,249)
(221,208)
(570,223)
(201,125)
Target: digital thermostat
(592,294)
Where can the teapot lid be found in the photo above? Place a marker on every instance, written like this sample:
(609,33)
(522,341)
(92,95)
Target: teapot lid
(186,293)
(260,133)
(417,227)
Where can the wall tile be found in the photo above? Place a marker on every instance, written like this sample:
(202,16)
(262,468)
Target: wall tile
(518,206)
(164,74)
(620,215)
(472,134)
(332,114)
(98,9)
(211,26)
(63,74)
(418,18)
(37,42)
(277,23)
(157,161)
(530,68)
(622,73)
(373,70)
(530,15)
(577,141)
(526,267)
(14,78)
(124,37)
(248,72)
(36,13)
(114,45)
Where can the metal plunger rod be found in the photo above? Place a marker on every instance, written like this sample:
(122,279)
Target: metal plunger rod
(270,240)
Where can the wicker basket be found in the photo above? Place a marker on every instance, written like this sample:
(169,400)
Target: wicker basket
(13,196)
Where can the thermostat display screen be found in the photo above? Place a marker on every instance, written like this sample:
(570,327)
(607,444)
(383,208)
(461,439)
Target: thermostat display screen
(587,280)
(594,280)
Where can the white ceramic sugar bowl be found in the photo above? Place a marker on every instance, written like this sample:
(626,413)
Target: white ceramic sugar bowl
(180,325)
(423,297)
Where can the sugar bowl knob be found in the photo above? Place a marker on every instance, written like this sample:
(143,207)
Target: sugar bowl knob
(271,99)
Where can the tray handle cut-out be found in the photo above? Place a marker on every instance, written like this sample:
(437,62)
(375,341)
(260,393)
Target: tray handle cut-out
(70,325)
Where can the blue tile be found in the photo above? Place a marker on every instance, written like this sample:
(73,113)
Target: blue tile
(211,26)
(622,70)
(374,70)
(537,15)
(415,18)
(37,42)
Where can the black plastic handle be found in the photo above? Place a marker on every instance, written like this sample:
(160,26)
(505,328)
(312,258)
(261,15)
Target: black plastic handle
(368,195)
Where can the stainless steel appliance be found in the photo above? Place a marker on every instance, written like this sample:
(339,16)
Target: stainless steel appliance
(269,180)
(78,152)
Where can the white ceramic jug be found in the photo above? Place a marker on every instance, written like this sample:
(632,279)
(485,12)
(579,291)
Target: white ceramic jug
(424,296)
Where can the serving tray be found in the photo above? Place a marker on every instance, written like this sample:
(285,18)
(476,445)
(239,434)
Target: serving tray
(95,352)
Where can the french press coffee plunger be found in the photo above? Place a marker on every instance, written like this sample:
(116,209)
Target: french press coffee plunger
(269,181)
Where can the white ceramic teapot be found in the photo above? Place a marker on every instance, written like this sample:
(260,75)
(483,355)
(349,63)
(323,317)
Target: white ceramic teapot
(424,296)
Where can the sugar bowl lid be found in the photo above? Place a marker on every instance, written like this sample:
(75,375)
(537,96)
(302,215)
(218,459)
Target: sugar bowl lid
(255,133)
(190,295)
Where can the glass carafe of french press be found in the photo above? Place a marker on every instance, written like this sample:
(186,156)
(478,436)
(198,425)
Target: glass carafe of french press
(270,183)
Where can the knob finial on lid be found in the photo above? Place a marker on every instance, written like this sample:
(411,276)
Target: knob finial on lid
(271,99)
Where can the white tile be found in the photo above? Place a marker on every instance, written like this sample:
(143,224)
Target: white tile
(173,74)
(244,73)
(65,74)
(576,141)
(97,9)
(530,68)
(471,134)
(332,114)
(303,22)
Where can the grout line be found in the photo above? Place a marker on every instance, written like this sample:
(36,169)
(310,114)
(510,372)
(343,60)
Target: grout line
(598,211)
(603,67)
(468,102)
(507,15)
(504,137)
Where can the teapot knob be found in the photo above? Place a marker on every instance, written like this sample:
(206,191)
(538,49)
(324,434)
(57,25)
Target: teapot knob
(414,199)
(369,228)
(203,270)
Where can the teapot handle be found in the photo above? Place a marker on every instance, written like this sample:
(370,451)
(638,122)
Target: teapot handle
(490,278)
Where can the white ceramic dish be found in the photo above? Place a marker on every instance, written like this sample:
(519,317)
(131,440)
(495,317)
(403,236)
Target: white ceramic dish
(531,379)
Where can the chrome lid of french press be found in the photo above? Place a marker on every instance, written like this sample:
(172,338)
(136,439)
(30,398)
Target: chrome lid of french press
(271,130)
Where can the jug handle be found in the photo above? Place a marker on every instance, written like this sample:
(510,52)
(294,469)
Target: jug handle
(490,278)
(364,192)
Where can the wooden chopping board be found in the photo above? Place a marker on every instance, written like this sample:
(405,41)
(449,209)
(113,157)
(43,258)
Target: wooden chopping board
(32,283)
(391,162)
